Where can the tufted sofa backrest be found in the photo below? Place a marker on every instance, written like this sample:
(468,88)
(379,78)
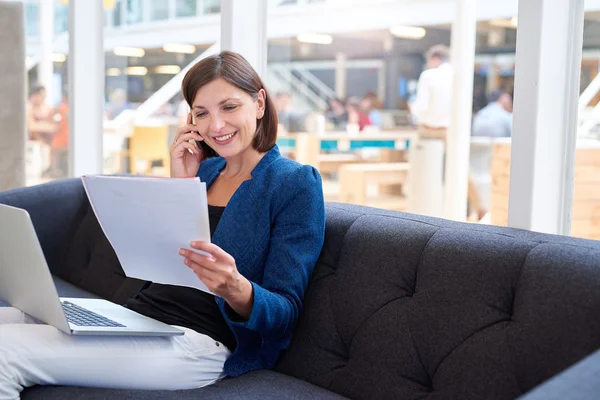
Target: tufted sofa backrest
(404,307)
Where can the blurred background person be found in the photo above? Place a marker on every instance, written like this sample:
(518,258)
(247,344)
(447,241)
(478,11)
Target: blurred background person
(40,122)
(373,105)
(495,119)
(289,118)
(41,129)
(117,103)
(432,105)
(432,108)
(60,142)
(358,112)
(337,114)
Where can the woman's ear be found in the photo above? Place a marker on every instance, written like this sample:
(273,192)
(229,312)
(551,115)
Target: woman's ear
(261,101)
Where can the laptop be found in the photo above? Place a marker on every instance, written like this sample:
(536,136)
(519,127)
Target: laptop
(26,284)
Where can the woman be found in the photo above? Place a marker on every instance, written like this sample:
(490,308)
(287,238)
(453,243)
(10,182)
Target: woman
(267,218)
(41,127)
(60,141)
(40,124)
(357,113)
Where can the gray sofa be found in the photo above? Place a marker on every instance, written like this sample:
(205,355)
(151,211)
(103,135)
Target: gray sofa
(400,306)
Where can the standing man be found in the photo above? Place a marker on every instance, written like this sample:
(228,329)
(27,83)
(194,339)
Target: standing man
(433,102)
(433,107)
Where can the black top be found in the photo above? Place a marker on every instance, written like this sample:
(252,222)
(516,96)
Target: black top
(184,306)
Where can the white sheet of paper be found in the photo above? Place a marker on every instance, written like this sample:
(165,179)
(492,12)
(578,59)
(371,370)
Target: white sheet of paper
(147,220)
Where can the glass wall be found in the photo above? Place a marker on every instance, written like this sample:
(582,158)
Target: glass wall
(117,13)
(353,89)
(354,93)
(211,6)
(47,103)
(586,196)
(32,18)
(61,17)
(133,76)
(186,8)
(135,11)
(492,118)
(159,10)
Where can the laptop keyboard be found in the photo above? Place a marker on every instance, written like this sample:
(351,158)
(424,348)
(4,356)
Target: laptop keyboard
(82,317)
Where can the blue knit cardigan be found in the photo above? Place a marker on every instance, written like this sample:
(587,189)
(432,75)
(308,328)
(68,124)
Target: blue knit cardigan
(274,227)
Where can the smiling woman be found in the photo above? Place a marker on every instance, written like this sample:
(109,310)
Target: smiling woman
(267,219)
(231,118)
(223,93)
(266,213)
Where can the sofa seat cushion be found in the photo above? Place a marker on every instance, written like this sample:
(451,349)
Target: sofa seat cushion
(258,385)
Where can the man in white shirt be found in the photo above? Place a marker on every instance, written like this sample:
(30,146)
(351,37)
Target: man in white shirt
(433,107)
(433,103)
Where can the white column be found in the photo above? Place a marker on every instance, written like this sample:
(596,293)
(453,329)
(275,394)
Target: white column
(46,65)
(340,75)
(464,30)
(244,30)
(12,100)
(548,63)
(86,87)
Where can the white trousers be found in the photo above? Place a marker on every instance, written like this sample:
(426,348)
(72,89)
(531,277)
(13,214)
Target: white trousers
(38,354)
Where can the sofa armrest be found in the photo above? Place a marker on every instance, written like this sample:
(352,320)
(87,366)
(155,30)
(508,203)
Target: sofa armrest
(580,381)
(56,208)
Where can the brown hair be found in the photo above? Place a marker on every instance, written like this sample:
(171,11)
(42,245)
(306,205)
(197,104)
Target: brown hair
(236,70)
(439,51)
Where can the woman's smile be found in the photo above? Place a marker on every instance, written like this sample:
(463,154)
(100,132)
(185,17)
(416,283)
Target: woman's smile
(224,139)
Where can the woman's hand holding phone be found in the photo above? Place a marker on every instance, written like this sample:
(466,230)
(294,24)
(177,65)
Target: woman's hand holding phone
(186,156)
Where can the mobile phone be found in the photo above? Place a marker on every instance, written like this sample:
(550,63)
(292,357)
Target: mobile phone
(206,149)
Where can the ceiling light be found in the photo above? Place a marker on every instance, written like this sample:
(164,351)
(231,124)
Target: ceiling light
(129,51)
(113,72)
(136,71)
(179,48)
(408,32)
(316,38)
(58,57)
(167,69)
